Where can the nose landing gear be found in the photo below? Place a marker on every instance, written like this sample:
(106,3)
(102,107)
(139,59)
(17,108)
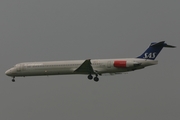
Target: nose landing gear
(13,80)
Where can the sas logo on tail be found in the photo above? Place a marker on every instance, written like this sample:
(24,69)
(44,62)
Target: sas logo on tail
(149,55)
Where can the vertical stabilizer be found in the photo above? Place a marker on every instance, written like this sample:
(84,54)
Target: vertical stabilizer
(154,49)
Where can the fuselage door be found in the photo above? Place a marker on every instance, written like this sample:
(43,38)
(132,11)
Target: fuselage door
(109,64)
(20,67)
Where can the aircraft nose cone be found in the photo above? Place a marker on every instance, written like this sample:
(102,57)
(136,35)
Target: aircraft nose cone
(8,72)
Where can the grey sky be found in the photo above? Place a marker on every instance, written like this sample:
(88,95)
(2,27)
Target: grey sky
(41,30)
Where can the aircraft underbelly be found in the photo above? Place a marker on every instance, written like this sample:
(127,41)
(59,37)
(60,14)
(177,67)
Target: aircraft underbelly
(44,72)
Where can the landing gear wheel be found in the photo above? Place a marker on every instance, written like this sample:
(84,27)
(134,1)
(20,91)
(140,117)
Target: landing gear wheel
(96,79)
(13,80)
(90,77)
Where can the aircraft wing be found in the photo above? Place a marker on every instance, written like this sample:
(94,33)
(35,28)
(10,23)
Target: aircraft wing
(85,67)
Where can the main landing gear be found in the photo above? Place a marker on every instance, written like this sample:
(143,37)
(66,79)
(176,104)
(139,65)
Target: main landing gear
(96,79)
(90,77)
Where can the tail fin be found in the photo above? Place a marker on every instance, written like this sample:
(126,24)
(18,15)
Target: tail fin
(154,49)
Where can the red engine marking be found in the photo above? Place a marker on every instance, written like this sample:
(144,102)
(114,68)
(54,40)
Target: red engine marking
(120,64)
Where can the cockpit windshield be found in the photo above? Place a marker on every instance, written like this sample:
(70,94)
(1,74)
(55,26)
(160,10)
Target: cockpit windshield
(18,65)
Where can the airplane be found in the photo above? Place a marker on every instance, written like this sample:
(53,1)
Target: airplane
(89,67)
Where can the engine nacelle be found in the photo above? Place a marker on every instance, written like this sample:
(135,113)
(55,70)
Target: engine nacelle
(123,64)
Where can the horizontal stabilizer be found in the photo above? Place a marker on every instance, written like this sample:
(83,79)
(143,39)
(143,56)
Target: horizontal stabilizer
(169,46)
(162,43)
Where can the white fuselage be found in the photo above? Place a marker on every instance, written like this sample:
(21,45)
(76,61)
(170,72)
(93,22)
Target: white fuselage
(101,66)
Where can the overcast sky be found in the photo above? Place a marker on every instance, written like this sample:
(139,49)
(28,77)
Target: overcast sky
(46,30)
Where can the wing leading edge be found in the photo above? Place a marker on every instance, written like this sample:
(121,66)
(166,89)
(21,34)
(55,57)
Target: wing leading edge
(85,67)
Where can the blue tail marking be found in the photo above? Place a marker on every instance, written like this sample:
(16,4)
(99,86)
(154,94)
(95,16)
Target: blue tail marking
(153,50)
